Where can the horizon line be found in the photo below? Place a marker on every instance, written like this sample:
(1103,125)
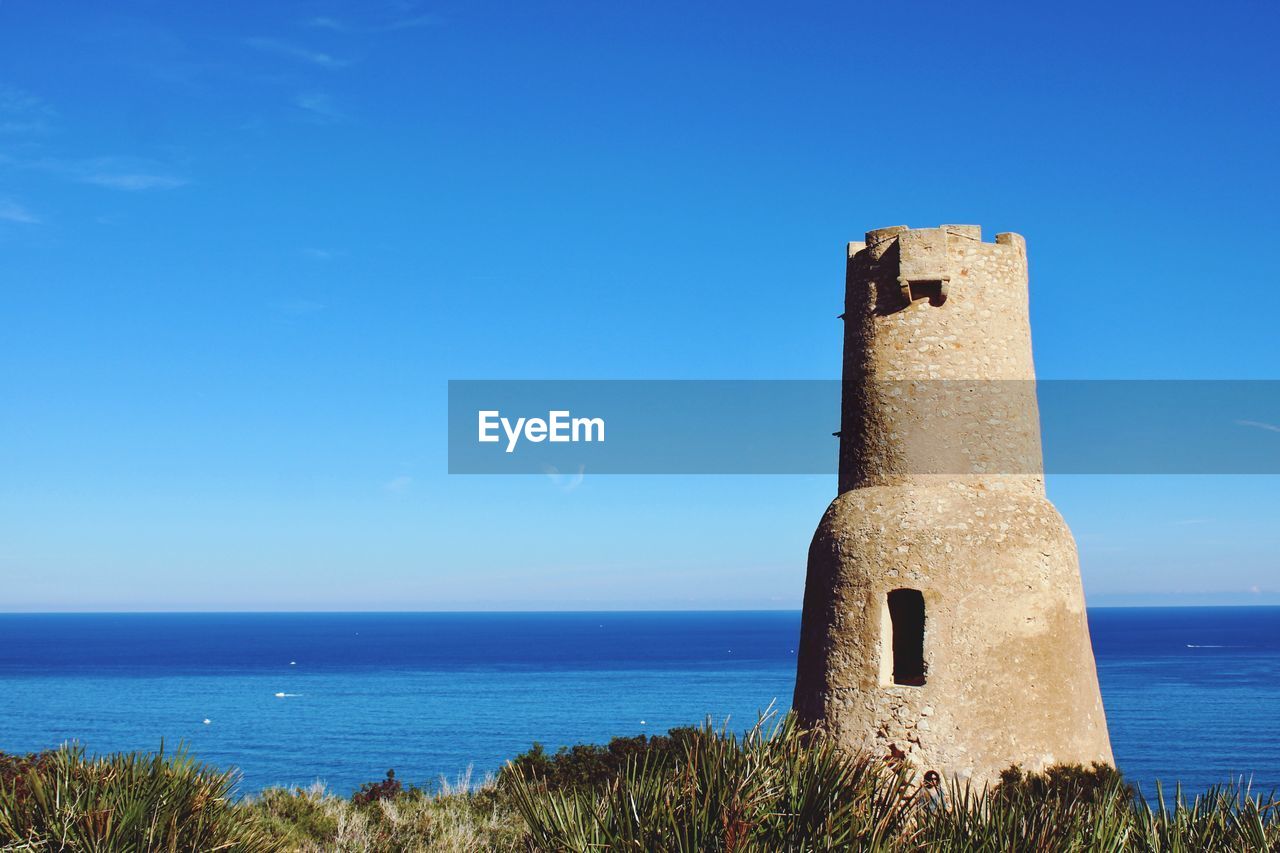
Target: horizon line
(548,612)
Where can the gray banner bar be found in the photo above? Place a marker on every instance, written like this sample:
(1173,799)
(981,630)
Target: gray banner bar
(787,426)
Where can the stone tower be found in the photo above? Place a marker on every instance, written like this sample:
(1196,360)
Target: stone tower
(944,618)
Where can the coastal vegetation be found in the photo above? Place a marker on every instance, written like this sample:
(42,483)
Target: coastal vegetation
(66,800)
(773,788)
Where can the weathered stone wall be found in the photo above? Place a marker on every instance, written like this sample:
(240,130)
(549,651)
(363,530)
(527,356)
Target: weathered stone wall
(942,492)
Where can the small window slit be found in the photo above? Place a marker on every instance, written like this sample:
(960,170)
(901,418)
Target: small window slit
(906,617)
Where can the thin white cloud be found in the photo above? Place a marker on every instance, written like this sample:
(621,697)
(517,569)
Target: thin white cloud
(320,254)
(11,211)
(131,174)
(407,22)
(1190,521)
(296,52)
(322,22)
(565,482)
(411,23)
(398,485)
(319,107)
(1259,425)
(133,181)
(21,112)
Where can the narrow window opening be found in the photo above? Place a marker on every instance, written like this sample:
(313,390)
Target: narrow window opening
(906,615)
(935,290)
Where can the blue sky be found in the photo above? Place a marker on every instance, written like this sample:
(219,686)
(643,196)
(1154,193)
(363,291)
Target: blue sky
(245,245)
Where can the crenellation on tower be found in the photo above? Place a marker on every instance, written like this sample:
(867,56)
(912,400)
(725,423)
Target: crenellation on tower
(1009,238)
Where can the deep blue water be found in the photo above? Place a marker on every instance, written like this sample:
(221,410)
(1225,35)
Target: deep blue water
(1191,693)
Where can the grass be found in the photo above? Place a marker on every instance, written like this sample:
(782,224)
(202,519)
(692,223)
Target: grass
(697,789)
(459,817)
(65,800)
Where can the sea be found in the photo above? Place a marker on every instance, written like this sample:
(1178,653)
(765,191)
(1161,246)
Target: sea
(1192,694)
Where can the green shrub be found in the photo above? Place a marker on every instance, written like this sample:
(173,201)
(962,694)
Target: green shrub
(14,770)
(64,800)
(780,790)
(1226,817)
(455,817)
(1029,813)
(297,817)
(389,788)
(793,790)
(692,790)
(586,765)
(1063,782)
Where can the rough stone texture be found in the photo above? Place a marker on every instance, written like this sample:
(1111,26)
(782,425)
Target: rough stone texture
(942,491)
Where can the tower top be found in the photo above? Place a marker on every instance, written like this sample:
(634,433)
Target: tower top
(938,371)
(878,240)
(923,256)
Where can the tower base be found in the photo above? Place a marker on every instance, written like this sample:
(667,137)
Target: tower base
(945,624)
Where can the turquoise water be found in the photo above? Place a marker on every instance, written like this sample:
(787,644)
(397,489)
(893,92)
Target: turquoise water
(1191,693)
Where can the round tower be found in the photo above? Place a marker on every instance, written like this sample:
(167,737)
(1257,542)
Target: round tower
(944,618)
